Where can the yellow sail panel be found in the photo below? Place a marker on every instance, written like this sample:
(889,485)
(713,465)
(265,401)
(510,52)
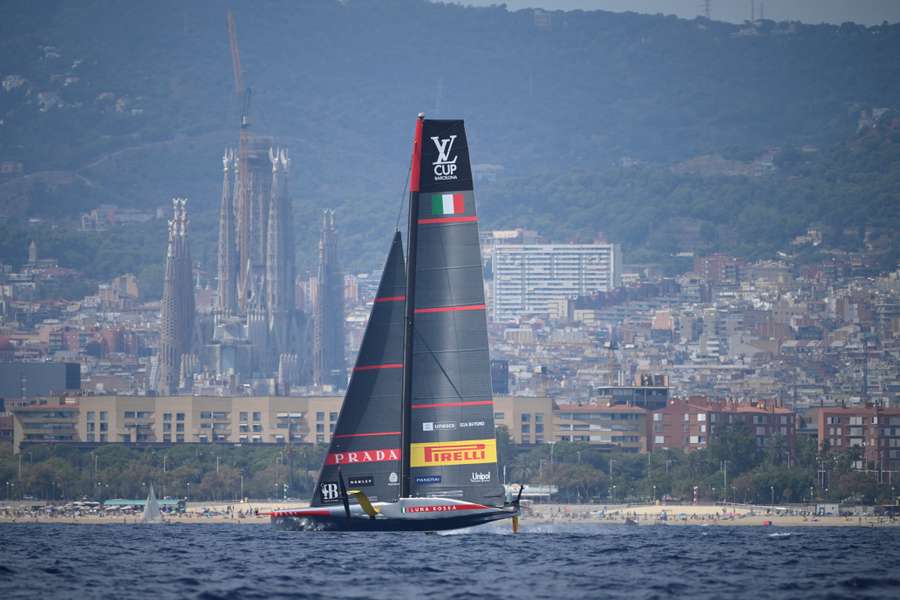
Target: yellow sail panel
(462,452)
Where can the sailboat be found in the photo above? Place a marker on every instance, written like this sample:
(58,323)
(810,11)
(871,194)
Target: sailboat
(414,447)
(151,509)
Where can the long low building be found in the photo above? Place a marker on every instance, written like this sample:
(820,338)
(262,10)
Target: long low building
(177,420)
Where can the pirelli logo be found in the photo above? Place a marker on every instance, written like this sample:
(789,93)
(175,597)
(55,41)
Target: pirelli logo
(465,452)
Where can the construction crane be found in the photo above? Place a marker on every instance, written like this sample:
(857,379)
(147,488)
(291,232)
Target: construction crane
(239,89)
(235,54)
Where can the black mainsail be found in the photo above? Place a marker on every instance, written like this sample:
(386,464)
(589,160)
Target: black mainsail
(448,418)
(366,444)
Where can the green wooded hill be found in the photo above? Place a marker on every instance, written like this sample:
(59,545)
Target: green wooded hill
(664,134)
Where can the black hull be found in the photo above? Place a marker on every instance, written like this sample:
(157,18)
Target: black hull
(321,523)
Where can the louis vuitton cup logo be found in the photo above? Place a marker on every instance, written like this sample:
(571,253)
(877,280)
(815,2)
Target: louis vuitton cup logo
(444,166)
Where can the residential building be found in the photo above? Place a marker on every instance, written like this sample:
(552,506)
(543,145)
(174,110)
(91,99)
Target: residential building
(178,419)
(529,419)
(623,428)
(873,429)
(689,424)
(533,278)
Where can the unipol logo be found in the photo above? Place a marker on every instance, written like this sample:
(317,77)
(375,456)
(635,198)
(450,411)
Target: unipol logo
(330,491)
(444,166)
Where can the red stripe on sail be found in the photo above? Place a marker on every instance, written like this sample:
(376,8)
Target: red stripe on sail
(391,299)
(416,157)
(376,367)
(440,309)
(353,435)
(448,404)
(471,219)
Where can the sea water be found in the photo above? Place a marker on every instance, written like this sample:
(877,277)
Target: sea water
(544,561)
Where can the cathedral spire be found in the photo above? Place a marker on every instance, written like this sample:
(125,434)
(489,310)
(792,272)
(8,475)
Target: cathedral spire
(177,317)
(226,302)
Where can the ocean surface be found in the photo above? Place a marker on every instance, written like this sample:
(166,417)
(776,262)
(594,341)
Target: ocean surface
(550,561)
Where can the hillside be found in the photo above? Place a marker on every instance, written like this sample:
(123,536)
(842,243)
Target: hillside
(641,127)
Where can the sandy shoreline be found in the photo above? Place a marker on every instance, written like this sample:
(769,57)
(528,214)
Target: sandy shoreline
(535,515)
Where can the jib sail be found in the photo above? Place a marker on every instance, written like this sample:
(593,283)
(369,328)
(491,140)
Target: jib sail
(366,443)
(448,406)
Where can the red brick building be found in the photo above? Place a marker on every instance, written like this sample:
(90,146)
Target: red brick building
(688,424)
(875,430)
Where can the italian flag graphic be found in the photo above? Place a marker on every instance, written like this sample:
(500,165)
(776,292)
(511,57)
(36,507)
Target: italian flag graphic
(447,204)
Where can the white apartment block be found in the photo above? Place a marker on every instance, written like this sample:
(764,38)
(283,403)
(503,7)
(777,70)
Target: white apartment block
(530,278)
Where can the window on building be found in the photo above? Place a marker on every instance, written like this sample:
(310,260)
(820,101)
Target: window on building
(701,417)
(90,416)
(320,437)
(104,427)
(687,417)
(526,428)
(332,416)
(179,416)
(244,416)
(538,417)
(167,417)
(167,437)
(703,429)
(179,437)
(539,428)
(244,428)
(102,415)
(129,414)
(90,427)
(856,421)
(760,431)
(257,428)
(526,418)
(220,415)
(167,426)
(657,416)
(103,437)
(331,427)
(660,439)
(499,416)
(320,427)
(90,437)
(179,427)
(257,416)
(206,414)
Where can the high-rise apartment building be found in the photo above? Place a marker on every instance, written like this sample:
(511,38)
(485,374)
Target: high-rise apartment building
(531,278)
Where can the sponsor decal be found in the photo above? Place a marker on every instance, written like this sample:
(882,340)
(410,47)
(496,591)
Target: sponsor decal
(464,452)
(362,456)
(444,167)
(478,477)
(428,479)
(330,491)
(432,426)
(442,508)
(464,424)
(393,479)
(362,481)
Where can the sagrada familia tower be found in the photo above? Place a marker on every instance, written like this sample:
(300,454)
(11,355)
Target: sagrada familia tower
(256,340)
(177,322)
(259,335)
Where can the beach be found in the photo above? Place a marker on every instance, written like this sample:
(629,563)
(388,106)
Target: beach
(253,513)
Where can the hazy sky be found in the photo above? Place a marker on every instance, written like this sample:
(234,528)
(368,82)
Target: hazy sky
(867,12)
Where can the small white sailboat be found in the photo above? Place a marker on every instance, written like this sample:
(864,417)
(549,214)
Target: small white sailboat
(152,513)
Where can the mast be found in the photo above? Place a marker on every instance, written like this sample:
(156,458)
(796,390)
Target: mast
(411,244)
